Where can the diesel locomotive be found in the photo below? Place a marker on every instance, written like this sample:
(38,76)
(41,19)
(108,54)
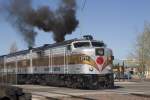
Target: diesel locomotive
(77,63)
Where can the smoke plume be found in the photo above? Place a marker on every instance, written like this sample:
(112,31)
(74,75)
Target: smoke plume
(25,18)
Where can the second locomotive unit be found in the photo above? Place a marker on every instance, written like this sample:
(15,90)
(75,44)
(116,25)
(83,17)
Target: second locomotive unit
(76,63)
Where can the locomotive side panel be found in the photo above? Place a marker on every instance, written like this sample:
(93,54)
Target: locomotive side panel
(56,62)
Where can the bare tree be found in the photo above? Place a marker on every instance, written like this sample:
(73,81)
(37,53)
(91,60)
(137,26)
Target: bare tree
(142,50)
(13,47)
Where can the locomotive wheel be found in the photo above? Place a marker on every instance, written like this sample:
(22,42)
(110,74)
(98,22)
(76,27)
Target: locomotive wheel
(68,82)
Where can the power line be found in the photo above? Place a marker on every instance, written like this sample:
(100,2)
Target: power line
(83,5)
(82,9)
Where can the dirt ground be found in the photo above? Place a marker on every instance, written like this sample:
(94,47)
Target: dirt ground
(103,97)
(124,91)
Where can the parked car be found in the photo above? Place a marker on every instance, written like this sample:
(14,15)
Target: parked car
(127,75)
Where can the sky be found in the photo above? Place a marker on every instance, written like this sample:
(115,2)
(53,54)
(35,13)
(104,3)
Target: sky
(116,22)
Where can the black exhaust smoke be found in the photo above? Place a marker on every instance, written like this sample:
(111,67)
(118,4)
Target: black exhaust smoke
(25,18)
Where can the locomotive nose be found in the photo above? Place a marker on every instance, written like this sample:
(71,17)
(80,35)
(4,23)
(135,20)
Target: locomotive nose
(99,53)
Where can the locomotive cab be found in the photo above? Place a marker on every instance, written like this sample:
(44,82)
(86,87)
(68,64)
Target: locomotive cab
(93,55)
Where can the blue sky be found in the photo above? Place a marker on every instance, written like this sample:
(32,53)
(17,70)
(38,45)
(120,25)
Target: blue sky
(116,22)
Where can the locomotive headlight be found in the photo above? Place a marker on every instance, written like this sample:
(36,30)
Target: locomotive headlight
(99,52)
(91,69)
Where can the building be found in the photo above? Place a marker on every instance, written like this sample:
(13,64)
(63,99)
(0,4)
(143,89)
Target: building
(132,66)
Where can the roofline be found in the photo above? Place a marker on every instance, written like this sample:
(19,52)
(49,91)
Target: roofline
(46,46)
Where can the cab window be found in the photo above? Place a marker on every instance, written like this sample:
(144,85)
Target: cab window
(69,47)
(81,44)
(98,44)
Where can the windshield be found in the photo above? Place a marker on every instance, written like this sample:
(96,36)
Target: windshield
(98,44)
(81,44)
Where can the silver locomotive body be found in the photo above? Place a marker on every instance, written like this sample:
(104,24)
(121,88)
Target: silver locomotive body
(70,59)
